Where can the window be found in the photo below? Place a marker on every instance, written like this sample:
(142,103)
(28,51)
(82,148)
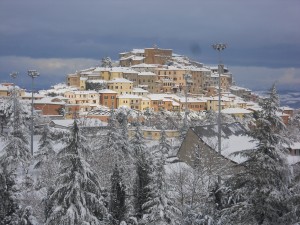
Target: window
(105,97)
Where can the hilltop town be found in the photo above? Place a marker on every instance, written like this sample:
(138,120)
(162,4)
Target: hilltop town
(149,122)
(144,79)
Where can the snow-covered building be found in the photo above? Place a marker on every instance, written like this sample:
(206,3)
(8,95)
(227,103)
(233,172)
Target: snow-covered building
(237,112)
(120,85)
(201,143)
(50,106)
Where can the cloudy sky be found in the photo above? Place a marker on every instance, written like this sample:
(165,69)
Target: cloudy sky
(59,37)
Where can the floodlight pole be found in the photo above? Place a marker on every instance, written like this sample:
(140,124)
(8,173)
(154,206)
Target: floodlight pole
(33,74)
(187,78)
(219,47)
(14,76)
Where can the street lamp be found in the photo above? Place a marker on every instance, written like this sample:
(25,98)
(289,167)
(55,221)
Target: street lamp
(14,76)
(219,47)
(188,82)
(33,74)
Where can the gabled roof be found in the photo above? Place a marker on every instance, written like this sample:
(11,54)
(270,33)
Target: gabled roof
(234,139)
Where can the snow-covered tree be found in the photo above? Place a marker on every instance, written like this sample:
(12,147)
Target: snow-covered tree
(16,151)
(46,164)
(17,114)
(142,169)
(9,205)
(77,198)
(110,150)
(258,193)
(117,207)
(106,62)
(45,148)
(159,208)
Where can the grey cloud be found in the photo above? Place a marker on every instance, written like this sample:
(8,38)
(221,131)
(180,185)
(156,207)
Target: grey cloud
(259,33)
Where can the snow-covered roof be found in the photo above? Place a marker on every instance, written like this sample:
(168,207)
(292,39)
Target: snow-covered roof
(35,95)
(286,108)
(234,139)
(84,92)
(62,123)
(236,111)
(129,96)
(50,101)
(236,88)
(160,96)
(119,80)
(139,90)
(107,91)
(144,65)
(146,74)
(133,57)
(97,81)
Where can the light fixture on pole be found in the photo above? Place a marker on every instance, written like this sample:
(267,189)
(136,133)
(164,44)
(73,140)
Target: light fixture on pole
(219,47)
(14,76)
(188,82)
(33,74)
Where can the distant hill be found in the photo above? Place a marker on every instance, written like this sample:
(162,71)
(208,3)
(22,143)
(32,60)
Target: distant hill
(287,98)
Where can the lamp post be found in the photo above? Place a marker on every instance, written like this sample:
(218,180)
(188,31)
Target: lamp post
(33,74)
(14,76)
(219,47)
(188,81)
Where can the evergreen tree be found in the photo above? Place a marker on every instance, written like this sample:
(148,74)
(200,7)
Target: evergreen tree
(260,190)
(111,150)
(77,198)
(159,208)
(45,150)
(9,205)
(117,205)
(16,151)
(16,114)
(143,169)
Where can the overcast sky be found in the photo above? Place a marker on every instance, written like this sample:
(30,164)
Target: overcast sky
(61,36)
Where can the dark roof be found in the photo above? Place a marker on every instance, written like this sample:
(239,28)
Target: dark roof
(232,129)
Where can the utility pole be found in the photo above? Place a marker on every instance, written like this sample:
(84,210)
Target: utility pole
(33,74)
(14,76)
(219,47)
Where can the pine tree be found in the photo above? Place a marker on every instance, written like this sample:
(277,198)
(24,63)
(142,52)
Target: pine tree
(46,165)
(142,167)
(117,205)
(9,205)
(45,150)
(159,208)
(111,150)
(259,192)
(77,198)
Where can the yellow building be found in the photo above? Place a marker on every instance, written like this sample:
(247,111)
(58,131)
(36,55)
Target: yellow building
(120,85)
(73,80)
(173,73)
(5,90)
(153,134)
(145,103)
(213,103)
(87,100)
(83,83)
(199,77)
(105,73)
(157,55)
(130,101)
(147,80)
